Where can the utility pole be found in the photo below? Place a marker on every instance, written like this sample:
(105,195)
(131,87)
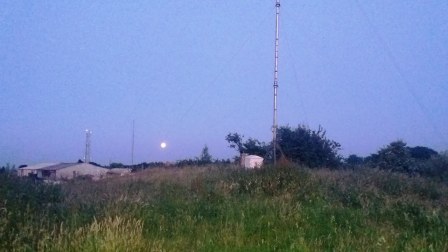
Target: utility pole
(132,150)
(87,151)
(275,126)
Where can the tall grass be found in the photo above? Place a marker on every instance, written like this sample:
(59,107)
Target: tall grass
(228,209)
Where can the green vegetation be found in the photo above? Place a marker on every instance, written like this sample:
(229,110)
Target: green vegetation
(300,145)
(215,208)
(311,148)
(398,157)
(250,146)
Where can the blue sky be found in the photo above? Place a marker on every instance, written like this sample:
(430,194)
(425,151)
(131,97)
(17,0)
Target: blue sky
(189,72)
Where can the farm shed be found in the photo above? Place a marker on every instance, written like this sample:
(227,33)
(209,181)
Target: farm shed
(252,161)
(32,169)
(70,171)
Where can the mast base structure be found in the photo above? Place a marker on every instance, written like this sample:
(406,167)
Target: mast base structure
(275,125)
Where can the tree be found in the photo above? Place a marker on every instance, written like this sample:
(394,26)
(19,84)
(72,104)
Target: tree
(436,166)
(236,141)
(300,145)
(205,157)
(309,147)
(95,164)
(394,157)
(255,147)
(116,165)
(251,146)
(422,153)
(398,157)
(354,161)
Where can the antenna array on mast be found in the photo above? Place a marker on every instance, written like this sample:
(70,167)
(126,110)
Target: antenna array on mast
(275,126)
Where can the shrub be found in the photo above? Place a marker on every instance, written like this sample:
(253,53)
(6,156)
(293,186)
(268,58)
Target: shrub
(309,147)
(394,157)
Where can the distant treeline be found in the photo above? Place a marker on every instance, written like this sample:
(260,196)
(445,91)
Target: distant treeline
(204,158)
(311,148)
(398,157)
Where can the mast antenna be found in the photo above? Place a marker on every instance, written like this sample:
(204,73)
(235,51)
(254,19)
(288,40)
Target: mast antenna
(87,152)
(275,126)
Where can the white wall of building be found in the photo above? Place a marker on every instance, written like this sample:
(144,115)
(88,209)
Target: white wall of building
(80,170)
(253,161)
(33,169)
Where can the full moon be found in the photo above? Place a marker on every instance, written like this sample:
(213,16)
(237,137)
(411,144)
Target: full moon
(163,145)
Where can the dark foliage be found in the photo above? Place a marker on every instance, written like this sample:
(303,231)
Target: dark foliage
(309,147)
(255,147)
(353,161)
(395,157)
(205,157)
(251,146)
(235,141)
(95,164)
(116,165)
(436,167)
(422,153)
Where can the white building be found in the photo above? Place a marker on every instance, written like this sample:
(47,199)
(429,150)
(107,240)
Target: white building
(32,169)
(251,161)
(64,171)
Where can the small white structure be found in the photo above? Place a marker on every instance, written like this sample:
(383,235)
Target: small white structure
(251,161)
(119,171)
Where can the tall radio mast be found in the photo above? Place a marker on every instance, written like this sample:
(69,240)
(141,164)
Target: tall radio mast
(275,126)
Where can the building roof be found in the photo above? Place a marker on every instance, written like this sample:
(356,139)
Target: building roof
(38,166)
(58,166)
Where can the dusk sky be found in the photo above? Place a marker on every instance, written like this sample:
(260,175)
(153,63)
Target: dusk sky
(189,72)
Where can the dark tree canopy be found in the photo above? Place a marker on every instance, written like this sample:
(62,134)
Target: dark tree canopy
(300,145)
(422,153)
(353,161)
(254,147)
(394,157)
(398,157)
(116,165)
(205,157)
(235,141)
(309,147)
(251,146)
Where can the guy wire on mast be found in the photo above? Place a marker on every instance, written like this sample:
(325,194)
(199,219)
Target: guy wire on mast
(275,126)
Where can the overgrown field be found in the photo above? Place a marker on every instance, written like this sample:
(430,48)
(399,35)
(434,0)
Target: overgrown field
(227,209)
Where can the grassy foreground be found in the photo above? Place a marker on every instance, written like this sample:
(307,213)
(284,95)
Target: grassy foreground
(226,209)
